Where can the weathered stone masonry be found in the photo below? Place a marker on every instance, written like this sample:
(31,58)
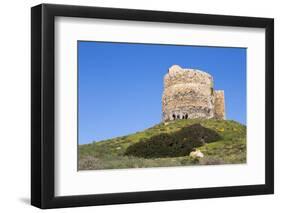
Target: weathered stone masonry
(189,93)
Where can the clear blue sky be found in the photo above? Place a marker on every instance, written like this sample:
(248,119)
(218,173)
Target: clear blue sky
(120,84)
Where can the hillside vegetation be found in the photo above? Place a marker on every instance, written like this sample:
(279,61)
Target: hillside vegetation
(169,144)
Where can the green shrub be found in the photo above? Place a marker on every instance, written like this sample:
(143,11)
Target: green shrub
(175,144)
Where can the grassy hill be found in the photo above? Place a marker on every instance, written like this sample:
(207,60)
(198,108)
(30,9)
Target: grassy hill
(230,148)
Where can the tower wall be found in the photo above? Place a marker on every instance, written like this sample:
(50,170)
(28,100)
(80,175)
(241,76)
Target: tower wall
(188,93)
(219,105)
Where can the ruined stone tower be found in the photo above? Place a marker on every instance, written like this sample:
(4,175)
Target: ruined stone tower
(189,93)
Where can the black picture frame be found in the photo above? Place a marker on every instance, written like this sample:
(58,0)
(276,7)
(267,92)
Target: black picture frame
(43,111)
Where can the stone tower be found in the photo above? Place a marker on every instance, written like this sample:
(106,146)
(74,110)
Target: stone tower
(189,93)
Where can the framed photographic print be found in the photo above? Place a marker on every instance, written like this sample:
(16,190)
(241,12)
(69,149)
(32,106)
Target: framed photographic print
(139,106)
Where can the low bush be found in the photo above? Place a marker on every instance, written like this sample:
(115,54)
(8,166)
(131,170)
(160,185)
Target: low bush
(174,144)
